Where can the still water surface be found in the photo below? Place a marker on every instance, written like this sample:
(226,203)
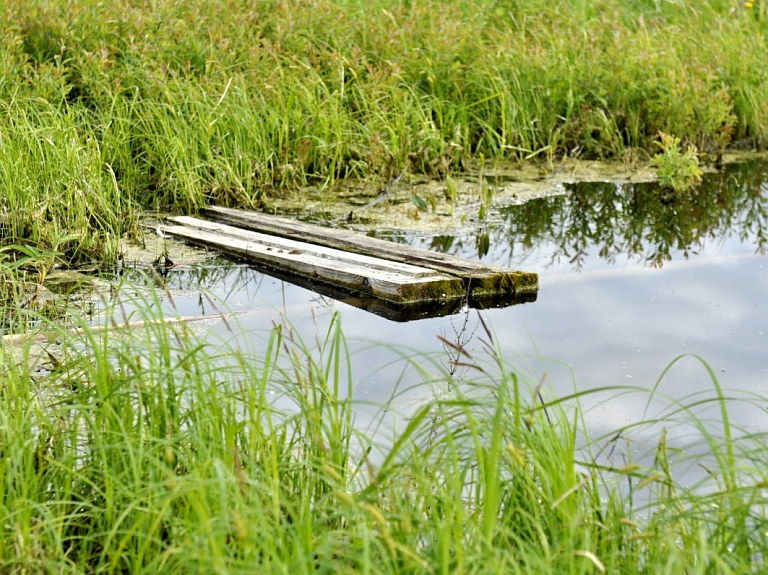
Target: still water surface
(630,279)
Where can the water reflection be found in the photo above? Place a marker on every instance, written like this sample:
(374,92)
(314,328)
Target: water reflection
(616,223)
(659,277)
(639,221)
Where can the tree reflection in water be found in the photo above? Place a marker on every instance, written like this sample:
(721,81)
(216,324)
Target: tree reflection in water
(642,221)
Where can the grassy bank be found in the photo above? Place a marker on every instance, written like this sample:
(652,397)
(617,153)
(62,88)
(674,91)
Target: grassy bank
(118,459)
(110,107)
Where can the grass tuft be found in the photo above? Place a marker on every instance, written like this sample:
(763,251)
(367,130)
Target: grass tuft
(155,449)
(109,108)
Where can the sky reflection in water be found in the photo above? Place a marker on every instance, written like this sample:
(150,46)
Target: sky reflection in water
(629,280)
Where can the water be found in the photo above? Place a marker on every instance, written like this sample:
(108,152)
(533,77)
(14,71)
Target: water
(630,279)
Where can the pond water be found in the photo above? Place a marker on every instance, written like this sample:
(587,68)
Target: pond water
(630,279)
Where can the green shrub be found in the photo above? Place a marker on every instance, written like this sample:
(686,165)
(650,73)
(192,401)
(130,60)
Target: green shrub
(677,170)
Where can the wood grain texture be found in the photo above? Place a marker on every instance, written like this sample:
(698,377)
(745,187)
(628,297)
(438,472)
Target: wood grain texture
(489,278)
(392,281)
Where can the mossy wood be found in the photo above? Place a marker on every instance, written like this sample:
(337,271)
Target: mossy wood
(394,311)
(364,265)
(480,279)
(388,280)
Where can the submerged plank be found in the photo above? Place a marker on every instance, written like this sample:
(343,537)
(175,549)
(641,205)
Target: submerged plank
(480,278)
(392,281)
(393,311)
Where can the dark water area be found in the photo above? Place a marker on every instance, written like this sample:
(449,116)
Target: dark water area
(631,277)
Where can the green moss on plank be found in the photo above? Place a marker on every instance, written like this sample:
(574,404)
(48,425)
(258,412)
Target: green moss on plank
(503,284)
(433,291)
(525,281)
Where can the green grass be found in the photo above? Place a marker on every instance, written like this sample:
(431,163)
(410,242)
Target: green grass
(156,450)
(107,108)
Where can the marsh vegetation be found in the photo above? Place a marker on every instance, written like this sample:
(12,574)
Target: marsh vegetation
(161,450)
(111,108)
(156,449)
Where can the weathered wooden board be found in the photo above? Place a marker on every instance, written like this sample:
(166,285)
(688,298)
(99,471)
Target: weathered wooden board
(480,279)
(393,311)
(389,280)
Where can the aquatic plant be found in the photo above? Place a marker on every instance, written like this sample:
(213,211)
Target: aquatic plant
(451,192)
(677,170)
(23,270)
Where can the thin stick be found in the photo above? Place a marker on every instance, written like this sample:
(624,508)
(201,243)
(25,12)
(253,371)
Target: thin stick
(17,338)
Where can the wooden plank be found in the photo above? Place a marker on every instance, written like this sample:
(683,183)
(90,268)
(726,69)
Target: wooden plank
(393,311)
(288,244)
(392,281)
(481,278)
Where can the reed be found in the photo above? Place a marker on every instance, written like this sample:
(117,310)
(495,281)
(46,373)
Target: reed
(159,450)
(112,108)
